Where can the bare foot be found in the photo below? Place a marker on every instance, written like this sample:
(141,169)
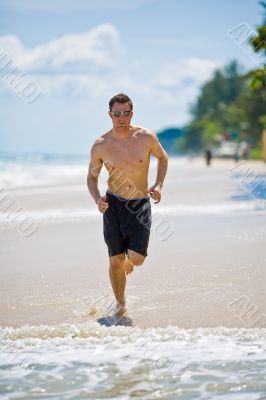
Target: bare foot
(128,266)
(121,310)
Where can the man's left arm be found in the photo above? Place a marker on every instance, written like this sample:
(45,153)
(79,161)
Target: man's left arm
(158,151)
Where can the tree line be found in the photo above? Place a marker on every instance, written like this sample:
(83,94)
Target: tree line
(231,103)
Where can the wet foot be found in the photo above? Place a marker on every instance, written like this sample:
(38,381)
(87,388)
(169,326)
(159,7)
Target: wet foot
(128,266)
(120,310)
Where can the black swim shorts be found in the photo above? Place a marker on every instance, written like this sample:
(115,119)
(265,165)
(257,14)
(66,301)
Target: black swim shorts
(127,224)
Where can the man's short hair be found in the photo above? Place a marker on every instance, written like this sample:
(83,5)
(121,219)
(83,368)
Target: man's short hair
(122,99)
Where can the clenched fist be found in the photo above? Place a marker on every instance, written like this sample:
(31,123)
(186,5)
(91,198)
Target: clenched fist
(155,193)
(102,204)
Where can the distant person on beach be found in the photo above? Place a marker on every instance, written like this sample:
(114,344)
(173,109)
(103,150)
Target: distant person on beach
(244,150)
(208,156)
(125,152)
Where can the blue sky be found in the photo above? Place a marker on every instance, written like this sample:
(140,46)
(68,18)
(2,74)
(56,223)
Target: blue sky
(81,53)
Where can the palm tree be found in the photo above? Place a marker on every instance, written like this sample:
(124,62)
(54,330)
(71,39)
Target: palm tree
(258,77)
(258,42)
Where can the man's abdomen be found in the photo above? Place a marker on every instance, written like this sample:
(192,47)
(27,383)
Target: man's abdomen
(129,187)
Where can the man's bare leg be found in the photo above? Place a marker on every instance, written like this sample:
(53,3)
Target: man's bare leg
(120,266)
(117,276)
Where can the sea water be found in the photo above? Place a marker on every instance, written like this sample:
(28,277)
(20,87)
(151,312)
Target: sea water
(38,173)
(91,361)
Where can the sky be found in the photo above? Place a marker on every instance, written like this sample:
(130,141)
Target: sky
(73,56)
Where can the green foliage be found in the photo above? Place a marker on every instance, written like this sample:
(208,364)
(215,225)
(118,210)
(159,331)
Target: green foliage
(262,120)
(230,102)
(226,103)
(258,42)
(256,153)
(223,89)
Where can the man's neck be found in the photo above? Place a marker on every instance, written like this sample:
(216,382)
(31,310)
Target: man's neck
(121,133)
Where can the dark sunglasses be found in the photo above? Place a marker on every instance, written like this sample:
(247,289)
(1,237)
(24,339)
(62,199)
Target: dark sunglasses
(117,114)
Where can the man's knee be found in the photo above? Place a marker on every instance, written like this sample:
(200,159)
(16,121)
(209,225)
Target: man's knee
(116,262)
(136,258)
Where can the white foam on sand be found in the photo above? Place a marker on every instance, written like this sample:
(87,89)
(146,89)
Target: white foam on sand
(91,330)
(175,210)
(20,175)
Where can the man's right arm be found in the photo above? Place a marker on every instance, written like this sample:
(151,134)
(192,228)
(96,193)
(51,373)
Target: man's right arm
(94,170)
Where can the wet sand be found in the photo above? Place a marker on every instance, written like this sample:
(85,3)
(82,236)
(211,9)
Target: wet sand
(210,271)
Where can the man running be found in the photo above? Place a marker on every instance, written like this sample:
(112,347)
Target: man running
(125,152)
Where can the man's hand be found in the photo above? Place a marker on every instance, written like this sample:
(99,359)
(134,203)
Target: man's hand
(102,204)
(155,193)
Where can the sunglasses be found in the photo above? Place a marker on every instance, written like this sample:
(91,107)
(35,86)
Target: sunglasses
(117,114)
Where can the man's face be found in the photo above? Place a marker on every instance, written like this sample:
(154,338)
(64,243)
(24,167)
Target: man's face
(121,120)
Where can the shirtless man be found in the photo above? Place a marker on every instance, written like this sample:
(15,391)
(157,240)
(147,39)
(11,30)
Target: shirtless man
(125,151)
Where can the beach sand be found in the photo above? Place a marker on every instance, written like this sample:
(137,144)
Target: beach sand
(209,272)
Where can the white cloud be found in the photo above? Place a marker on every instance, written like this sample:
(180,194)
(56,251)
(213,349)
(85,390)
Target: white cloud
(95,64)
(175,84)
(72,85)
(186,72)
(173,89)
(72,53)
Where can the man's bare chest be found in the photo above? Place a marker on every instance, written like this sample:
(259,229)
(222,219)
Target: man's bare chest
(125,153)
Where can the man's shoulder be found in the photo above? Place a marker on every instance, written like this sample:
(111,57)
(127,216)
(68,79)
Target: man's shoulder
(99,145)
(101,140)
(144,132)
